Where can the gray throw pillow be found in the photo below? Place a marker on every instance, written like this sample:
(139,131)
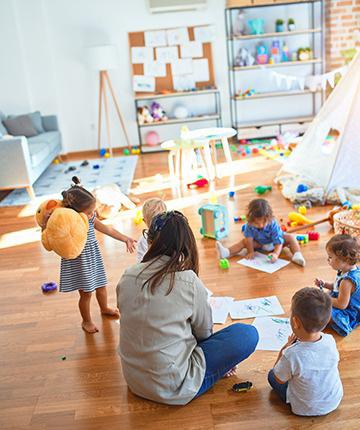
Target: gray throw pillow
(20,126)
(3,130)
(36,119)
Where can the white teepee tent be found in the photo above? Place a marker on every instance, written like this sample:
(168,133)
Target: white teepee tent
(333,163)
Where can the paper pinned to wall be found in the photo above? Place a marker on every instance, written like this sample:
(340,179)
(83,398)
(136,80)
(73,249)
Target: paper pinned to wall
(204,34)
(201,70)
(177,36)
(168,54)
(182,67)
(184,82)
(259,307)
(262,263)
(220,307)
(143,83)
(273,332)
(192,49)
(155,38)
(141,54)
(155,68)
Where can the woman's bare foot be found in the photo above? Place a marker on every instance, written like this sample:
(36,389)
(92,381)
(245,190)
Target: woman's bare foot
(89,327)
(110,312)
(231,372)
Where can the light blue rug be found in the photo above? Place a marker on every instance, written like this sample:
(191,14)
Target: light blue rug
(56,178)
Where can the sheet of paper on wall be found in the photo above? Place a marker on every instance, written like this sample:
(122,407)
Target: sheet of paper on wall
(262,263)
(155,68)
(168,54)
(259,307)
(201,70)
(141,54)
(177,36)
(182,66)
(192,49)
(183,82)
(143,83)
(220,307)
(155,38)
(204,34)
(273,332)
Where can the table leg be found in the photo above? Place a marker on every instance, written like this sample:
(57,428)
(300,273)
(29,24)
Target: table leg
(226,149)
(209,165)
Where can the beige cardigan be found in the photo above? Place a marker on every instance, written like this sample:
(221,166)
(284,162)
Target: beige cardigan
(159,333)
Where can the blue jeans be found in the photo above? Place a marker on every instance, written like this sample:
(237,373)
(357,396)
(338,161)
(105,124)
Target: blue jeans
(280,389)
(225,349)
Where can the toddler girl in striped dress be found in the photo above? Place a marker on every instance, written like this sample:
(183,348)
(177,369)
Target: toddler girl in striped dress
(86,273)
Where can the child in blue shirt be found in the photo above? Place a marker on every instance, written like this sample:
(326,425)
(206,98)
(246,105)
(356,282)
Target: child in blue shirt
(262,232)
(343,255)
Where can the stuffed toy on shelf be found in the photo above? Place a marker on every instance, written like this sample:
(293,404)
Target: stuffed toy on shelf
(64,230)
(157,112)
(144,116)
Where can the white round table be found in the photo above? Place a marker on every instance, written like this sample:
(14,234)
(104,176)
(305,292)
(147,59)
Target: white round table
(209,136)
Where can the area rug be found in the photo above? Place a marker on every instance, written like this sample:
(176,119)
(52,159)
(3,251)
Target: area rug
(57,177)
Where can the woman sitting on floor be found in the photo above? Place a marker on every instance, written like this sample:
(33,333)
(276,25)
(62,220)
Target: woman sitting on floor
(167,348)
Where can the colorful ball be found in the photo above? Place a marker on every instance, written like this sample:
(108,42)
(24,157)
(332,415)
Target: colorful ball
(152,138)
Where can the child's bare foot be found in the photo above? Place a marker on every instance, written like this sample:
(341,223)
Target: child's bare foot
(231,372)
(110,312)
(89,327)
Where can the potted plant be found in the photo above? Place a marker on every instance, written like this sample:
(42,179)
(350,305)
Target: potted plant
(279,25)
(291,24)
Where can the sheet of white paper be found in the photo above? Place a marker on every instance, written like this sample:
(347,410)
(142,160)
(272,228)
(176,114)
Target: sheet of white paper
(201,70)
(192,49)
(177,36)
(141,54)
(183,82)
(155,38)
(259,307)
(204,34)
(261,262)
(168,54)
(181,67)
(220,307)
(144,83)
(155,68)
(273,332)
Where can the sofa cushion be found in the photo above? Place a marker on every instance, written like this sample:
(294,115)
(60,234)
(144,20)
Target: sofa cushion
(3,130)
(20,126)
(42,145)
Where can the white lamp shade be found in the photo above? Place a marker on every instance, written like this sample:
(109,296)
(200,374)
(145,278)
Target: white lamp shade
(103,57)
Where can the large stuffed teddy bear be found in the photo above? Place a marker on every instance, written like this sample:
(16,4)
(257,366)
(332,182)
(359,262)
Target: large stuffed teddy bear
(64,230)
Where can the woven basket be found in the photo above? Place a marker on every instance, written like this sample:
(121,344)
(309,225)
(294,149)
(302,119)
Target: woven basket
(347,222)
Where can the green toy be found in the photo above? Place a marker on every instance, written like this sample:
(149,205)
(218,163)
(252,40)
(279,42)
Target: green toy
(224,263)
(262,189)
(126,151)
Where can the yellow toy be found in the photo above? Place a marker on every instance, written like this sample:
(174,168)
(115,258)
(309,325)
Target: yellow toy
(302,210)
(138,219)
(64,230)
(299,219)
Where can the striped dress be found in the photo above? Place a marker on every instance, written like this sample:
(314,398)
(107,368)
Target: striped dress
(86,272)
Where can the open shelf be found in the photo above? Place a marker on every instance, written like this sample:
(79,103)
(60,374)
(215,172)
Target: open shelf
(283,64)
(300,119)
(150,96)
(276,34)
(276,94)
(182,120)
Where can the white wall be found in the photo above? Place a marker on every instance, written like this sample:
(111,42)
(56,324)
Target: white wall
(42,62)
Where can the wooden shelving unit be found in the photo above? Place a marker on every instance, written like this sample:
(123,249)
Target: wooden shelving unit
(180,121)
(311,18)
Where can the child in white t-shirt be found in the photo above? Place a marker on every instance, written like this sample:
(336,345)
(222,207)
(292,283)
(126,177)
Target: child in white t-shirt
(151,208)
(306,372)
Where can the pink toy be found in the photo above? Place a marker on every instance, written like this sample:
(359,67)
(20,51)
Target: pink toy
(313,235)
(152,138)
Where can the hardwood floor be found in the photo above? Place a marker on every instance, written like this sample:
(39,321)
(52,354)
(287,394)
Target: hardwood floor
(40,390)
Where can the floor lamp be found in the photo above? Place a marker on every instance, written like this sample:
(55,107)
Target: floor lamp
(102,59)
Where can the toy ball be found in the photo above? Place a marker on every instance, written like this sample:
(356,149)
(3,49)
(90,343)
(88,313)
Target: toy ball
(56,161)
(126,151)
(181,112)
(152,138)
(301,188)
(102,152)
(107,155)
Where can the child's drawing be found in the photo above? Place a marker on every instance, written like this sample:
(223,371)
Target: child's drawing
(273,333)
(261,262)
(264,306)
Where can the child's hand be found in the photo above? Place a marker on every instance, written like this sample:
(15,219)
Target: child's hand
(273,257)
(319,283)
(130,244)
(291,340)
(250,255)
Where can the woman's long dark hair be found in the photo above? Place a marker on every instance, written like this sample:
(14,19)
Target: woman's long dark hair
(170,235)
